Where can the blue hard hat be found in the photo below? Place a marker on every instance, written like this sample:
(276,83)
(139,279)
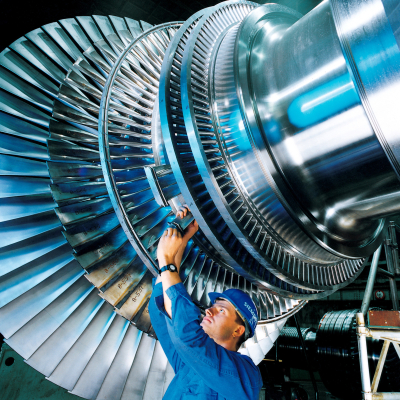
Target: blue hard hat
(243,304)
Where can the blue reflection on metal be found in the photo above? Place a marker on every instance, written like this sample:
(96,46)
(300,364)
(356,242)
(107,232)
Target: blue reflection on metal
(273,132)
(323,102)
(238,131)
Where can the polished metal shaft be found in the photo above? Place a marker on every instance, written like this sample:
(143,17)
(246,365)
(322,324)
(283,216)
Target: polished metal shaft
(314,118)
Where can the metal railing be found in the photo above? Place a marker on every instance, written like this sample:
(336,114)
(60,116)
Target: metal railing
(388,329)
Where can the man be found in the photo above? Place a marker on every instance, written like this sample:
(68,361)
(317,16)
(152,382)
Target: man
(203,353)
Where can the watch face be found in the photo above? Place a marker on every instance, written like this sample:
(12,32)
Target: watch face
(172,267)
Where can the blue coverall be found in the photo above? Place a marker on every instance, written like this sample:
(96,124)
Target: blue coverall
(203,369)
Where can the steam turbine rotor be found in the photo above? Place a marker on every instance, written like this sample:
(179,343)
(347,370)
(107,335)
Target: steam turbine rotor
(278,130)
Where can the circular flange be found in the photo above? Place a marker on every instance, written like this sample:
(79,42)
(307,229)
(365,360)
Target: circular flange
(222,185)
(338,269)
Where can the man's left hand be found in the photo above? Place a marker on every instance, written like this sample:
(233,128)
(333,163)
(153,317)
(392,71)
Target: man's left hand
(169,245)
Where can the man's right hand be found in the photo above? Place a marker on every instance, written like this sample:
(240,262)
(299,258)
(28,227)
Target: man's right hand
(192,228)
(172,244)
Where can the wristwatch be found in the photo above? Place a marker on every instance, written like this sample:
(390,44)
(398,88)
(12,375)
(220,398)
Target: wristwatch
(169,267)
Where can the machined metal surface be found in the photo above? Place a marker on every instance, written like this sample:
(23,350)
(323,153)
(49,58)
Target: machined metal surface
(277,144)
(289,266)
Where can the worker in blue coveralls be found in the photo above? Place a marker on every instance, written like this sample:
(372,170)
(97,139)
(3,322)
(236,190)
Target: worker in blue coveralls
(202,352)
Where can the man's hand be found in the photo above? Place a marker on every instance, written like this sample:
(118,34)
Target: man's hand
(187,235)
(170,251)
(170,243)
(192,228)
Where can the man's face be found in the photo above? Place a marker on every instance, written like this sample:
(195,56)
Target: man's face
(219,322)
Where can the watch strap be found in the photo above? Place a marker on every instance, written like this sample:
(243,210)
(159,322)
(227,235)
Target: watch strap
(168,268)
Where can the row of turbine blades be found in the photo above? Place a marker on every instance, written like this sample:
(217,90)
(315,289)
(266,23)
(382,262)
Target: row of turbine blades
(49,311)
(75,338)
(90,225)
(33,82)
(50,85)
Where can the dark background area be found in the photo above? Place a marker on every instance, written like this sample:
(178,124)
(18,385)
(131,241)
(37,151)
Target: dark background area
(20,17)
